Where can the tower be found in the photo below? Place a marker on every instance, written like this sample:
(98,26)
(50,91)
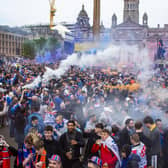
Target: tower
(145,19)
(114,20)
(96,19)
(82,25)
(83,20)
(131,10)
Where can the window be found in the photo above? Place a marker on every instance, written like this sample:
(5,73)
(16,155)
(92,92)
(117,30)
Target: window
(134,6)
(131,7)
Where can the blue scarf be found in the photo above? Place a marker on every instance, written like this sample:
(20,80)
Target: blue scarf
(23,154)
(26,153)
(59,126)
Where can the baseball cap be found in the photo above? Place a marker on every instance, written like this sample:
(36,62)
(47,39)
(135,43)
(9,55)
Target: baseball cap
(55,158)
(96,160)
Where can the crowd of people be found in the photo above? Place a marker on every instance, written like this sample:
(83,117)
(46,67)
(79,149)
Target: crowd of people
(86,118)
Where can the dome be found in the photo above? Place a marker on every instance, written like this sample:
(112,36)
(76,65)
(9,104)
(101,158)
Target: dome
(83,13)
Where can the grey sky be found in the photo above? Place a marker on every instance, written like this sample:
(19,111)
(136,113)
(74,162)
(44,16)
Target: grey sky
(21,12)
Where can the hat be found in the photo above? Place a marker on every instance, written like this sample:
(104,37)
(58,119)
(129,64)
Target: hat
(96,160)
(55,158)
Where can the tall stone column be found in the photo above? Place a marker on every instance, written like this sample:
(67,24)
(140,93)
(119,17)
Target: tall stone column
(96,20)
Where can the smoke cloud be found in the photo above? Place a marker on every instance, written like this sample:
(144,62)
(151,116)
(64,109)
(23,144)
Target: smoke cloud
(114,57)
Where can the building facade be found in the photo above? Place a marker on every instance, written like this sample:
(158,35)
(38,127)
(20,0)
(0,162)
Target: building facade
(11,40)
(130,31)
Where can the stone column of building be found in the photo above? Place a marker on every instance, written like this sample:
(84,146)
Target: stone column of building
(96,20)
(131,10)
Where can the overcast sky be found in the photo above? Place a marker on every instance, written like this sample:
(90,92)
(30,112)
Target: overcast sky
(21,12)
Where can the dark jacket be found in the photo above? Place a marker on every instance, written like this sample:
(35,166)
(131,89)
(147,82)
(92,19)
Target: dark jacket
(131,162)
(165,146)
(144,139)
(20,122)
(92,138)
(124,137)
(65,143)
(52,147)
(155,141)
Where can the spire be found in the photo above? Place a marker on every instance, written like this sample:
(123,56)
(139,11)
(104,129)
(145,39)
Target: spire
(114,20)
(102,26)
(83,7)
(145,19)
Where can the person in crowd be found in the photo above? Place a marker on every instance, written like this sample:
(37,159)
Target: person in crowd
(108,150)
(50,114)
(41,155)
(71,142)
(50,144)
(90,124)
(94,162)
(129,160)
(126,132)
(35,104)
(6,152)
(60,126)
(144,139)
(12,111)
(26,155)
(115,134)
(19,125)
(45,97)
(92,138)
(155,141)
(55,162)
(106,116)
(57,100)
(35,113)
(159,125)
(34,124)
(3,111)
(139,149)
(165,147)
